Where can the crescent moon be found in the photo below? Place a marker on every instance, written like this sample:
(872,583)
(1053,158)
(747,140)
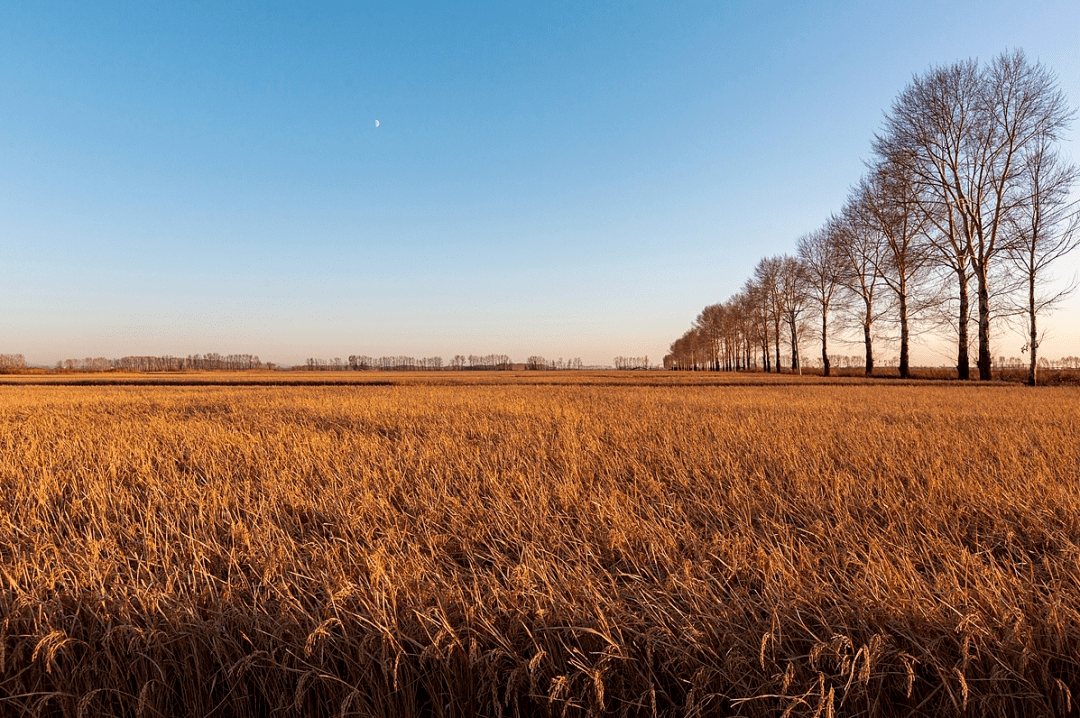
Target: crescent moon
(376,123)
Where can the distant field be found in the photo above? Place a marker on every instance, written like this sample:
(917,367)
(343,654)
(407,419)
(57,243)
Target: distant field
(397,378)
(920,376)
(519,544)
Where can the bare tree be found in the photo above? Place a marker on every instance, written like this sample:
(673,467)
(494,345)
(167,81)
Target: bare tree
(767,274)
(860,277)
(757,297)
(688,352)
(925,136)
(711,325)
(886,204)
(12,362)
(1046,228)
(821,261)
(743,307)
(793,302)
(961,130)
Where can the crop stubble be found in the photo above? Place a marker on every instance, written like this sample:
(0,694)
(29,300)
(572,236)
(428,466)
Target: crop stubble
(565,549)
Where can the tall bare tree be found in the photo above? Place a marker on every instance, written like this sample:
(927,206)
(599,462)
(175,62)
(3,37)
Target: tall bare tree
(711,324)
(767,275)
(961,129)
(744,322)
(886,204)
(1047,228)
(822,264)
(757,298)
(926,135)
(793,302)
(860,259)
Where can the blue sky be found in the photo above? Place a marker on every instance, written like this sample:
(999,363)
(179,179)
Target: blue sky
(566,179)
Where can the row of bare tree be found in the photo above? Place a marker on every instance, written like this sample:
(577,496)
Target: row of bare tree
(621,362)
(460,362)
(966,200)
(12,362)
(539,363)
(193,362)
(356,362)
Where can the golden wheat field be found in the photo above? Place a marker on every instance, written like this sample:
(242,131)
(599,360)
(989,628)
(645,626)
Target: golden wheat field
(511,548)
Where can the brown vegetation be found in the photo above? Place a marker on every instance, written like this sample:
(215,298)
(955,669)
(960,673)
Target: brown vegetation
(519,549)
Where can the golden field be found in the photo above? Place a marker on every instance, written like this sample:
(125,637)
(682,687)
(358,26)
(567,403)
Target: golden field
(540,545)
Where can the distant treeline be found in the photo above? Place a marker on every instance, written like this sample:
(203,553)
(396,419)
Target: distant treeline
(355,362)
(459,362)
(12,362)
(193,362)
(539,363)
(359,362)
(632,363)
(486,362)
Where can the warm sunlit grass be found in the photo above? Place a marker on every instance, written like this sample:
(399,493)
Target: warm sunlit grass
(487,549)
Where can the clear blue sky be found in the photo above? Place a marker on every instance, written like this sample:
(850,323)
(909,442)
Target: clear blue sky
(565,179)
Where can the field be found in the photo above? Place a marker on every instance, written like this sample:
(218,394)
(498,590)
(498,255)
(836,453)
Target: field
(653,544)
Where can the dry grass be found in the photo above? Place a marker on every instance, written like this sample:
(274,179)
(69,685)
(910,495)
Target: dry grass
(504,550)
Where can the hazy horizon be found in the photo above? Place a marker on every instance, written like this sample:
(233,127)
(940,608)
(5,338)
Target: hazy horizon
(562,181)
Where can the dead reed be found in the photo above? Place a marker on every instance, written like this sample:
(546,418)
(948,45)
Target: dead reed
(509,550)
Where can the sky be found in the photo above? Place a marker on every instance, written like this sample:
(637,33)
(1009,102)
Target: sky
(560,179)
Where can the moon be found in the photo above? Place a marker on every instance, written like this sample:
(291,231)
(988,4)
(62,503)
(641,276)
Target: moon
(376,123)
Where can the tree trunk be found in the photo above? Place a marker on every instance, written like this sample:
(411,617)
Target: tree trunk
(904,369)
(794,345)
(1033,339)
(963,368)
(869,349)
(776,327)
(825,341)
(984,327)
